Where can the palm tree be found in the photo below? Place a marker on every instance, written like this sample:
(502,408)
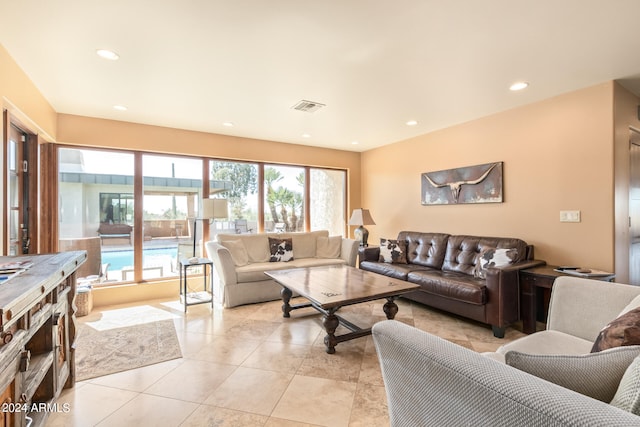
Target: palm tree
(283,197)
(272,175)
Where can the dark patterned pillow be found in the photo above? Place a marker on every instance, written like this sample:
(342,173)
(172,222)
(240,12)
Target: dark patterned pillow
(624,330)
(492,257)
(281,250)
(393,251)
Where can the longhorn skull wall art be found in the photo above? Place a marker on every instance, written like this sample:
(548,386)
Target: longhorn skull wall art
(472,184)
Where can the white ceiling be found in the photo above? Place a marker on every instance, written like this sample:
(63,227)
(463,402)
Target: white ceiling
(194,64)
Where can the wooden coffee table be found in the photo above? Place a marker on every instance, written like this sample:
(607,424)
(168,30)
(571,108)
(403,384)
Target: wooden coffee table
(332,287)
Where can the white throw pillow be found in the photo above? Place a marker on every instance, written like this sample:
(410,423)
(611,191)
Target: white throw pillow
(329,247)
(238,252)
(597,375)
(492,257)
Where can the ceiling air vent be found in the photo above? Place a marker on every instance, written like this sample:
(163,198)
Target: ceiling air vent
(308,106)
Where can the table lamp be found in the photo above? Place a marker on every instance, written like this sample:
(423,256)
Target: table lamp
(361,217)
(211,209)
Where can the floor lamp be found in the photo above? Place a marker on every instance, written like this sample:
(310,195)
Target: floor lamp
(212,209)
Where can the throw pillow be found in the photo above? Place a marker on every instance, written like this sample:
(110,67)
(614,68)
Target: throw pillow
(597,375)
(624,330)
(281,250)
(329,247)
(627,396)
(238,252)
(393,251)
(493,257)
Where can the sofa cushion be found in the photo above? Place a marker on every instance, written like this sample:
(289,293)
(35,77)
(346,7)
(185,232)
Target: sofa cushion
(397,271)
(492,257)
(548,342)
(624,330)
(596,375)
(281,250)
(393,251)
(305,244)
(627,396)
(257,245)
(329,247)
(238,252)
(450,285)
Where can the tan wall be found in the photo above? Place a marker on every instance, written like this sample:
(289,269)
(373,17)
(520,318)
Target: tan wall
(22,99)
(557,154)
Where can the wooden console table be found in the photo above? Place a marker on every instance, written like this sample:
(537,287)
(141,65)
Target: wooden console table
(37,333)
(535,291)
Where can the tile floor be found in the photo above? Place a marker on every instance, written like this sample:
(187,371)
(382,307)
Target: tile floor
(248,366)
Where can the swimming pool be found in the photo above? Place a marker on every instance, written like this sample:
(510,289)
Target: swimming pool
(153,256)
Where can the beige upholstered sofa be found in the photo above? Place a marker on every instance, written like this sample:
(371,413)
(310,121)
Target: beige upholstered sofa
(454,386)
(240,261)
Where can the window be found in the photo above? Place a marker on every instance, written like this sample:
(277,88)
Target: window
(99,212)
(238,183)
(95,201)
(116,208)
(328,202)
(172,191)
(284,188)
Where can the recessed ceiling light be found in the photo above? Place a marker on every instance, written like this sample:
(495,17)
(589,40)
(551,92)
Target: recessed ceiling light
(412,123)
(518,86)
(107,54)
(355,142)
(120,107)
(306,135)
(227,124)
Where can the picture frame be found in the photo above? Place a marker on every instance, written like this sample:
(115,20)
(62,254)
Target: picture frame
(471,184)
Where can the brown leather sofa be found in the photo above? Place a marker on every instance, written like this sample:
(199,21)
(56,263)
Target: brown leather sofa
(444,266)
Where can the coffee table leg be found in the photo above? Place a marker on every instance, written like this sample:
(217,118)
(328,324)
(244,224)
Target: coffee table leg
(390,308)
(330,322)
(286,297)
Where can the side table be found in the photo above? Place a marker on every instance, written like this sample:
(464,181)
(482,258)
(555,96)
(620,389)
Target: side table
(535,289)
(199,297)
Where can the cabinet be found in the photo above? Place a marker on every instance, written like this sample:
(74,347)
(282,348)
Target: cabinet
(535,292)
(37,332)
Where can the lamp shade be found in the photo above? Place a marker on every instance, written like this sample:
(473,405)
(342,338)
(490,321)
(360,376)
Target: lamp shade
(215,208)
(361,217)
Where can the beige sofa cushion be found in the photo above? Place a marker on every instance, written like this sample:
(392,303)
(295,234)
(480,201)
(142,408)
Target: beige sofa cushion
(329,247)
(257,245)
(304,245)
(255,272)
(238,252)
(548,342)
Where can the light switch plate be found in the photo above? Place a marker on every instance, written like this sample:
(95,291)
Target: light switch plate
(569,216)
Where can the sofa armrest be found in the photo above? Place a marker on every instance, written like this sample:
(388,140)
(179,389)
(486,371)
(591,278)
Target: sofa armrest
(369,253)
(503,293)
(349,251)
(433,382)
(582,307)
(222,262)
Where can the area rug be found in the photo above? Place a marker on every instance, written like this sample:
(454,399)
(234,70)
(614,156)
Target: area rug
(104,352)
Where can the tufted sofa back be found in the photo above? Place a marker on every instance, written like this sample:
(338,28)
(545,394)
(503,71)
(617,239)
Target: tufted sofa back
(462,251)
(455,253)
(427,249)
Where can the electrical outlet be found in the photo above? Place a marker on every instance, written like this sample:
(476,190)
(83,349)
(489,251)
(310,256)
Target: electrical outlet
(569,216)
